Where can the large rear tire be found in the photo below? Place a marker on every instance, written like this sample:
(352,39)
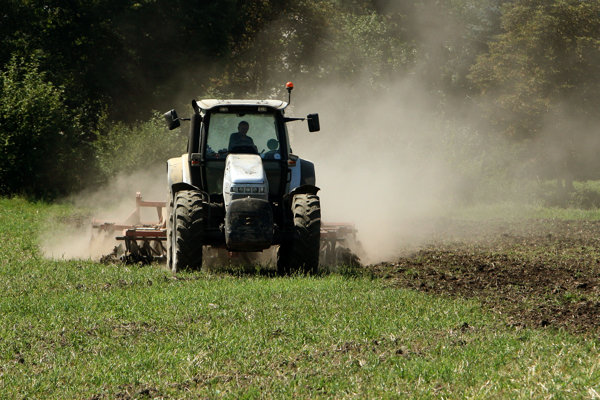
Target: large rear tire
(301,251)
(185,231)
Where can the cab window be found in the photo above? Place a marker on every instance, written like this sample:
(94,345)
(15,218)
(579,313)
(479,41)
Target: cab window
(229,132)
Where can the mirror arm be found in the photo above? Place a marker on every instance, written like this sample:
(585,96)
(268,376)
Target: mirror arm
(286,119)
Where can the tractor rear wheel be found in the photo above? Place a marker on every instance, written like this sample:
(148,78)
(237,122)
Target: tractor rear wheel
(186,221)
(301,251)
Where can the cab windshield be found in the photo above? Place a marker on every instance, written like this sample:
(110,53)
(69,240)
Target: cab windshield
(242,133)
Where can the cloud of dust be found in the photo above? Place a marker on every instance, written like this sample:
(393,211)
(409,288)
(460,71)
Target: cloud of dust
(380,162)
(386,159)
(111,203)
(391,160)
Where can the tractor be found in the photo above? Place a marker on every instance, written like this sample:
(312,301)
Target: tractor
(239,186)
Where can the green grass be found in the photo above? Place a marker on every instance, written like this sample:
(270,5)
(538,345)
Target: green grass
(78,329)
(535,200)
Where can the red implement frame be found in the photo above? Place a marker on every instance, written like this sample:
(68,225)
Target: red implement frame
(144,240)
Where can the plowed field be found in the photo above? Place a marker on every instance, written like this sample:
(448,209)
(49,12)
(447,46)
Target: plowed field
(541,273)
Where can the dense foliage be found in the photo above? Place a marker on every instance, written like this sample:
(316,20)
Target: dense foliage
(531,66)
(130,147)
(41,138)
(547,56)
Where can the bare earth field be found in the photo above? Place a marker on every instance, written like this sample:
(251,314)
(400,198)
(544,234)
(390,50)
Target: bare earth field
(539,273)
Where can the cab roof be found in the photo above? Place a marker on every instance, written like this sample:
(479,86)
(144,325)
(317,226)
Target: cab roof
(207,104)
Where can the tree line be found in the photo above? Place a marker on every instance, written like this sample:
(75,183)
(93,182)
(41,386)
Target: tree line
(79,76)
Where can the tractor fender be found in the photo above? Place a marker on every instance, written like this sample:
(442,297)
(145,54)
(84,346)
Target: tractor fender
(307,172)
(178,175)
(302,173)
(178,170)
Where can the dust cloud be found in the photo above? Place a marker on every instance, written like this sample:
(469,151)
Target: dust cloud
(381,163)
(390,160)
(111,203)
(398,167)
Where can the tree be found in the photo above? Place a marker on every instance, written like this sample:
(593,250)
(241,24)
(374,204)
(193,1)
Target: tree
(316,41)
(547,56)
(40,138)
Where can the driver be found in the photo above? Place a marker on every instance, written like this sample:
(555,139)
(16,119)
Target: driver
(240,138)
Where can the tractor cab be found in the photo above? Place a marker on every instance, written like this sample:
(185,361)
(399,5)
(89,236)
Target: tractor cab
(240,127)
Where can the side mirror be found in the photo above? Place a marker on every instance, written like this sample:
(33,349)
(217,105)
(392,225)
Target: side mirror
(172,119)
(313,122)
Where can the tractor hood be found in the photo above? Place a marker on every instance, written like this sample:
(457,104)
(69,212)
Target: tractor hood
(244,177)
(245,168)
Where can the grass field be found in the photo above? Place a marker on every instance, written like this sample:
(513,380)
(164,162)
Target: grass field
(78,329)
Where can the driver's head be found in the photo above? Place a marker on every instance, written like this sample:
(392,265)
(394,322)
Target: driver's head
(243,127)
